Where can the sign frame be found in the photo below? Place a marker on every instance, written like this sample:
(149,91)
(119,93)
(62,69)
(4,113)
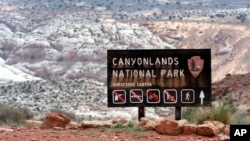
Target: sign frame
(176,69)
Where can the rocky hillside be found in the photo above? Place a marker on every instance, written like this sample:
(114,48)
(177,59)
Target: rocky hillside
(229,43)
(64,44)
(234,88)
(68,46)
(85,98)
(69,39)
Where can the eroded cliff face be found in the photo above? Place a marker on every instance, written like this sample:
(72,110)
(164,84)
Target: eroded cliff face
(68,39)
(229,43)
(64,48)
(75,50)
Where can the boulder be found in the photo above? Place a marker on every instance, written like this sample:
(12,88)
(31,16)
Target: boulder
(182,122)
(169,127)
(224,138)
(55,120)
(226,130)
(120,120)
(217,124)
(189,129)
(207,130)
(96,124)
(147,124)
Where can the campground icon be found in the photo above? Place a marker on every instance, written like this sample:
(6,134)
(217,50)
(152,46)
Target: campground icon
(195,65)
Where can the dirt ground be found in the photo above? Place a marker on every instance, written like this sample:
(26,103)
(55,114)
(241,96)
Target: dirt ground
(72,133)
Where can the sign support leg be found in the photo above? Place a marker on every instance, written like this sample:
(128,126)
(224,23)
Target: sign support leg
(141,112)
(178,113)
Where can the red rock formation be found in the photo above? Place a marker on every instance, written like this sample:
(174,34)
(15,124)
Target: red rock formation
(55,120)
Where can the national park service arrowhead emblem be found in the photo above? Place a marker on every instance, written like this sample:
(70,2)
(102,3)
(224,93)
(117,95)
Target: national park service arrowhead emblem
(195,65)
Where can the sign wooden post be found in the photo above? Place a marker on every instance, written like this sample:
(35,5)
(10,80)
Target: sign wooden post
(178,113)
(141,112)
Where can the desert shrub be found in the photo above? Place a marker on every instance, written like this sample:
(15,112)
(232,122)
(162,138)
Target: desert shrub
(242,17)
(11,115)
(190,114)
(26,113)
(241,118)
(225,92)
(118,125)
(248,110)
(223,112)
(127,127)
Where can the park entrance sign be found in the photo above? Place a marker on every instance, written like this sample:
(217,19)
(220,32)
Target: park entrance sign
(150,78)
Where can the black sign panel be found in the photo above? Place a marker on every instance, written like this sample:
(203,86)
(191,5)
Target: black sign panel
(173,77)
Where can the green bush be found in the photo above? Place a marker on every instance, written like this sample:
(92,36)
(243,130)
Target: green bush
(223,112)
(11,115)
(190,114)
(225,92)
(127,127)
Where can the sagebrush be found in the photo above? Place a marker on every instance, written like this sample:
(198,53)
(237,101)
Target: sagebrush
(12,115)
(222,112)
